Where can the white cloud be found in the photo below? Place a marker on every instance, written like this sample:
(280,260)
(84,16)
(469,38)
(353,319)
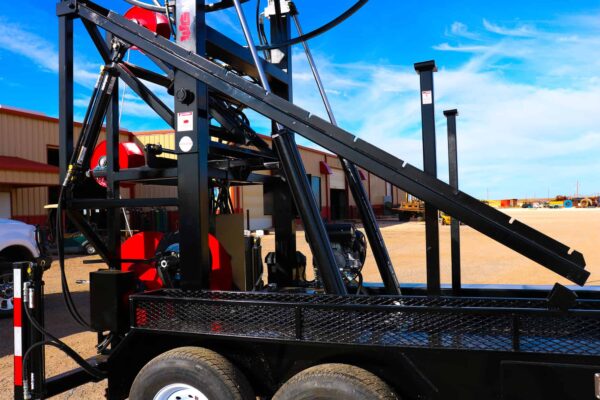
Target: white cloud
(520,30)
(461,30)
(17,40)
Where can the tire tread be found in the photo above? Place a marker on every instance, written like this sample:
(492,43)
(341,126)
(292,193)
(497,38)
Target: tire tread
(344,372)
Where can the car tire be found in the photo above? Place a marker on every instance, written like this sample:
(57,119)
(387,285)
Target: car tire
(6,289)
(335,381)
(190,372)
(89,249)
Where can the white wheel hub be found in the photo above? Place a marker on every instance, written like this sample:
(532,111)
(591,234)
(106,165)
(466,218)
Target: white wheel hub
(179,391)
(6,292)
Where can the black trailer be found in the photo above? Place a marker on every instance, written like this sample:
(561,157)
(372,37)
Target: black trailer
(334,337)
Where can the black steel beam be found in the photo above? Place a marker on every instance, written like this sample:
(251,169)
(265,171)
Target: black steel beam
(98,41)
(65,79)
(487,220)
(239,58)
(58,384)
(113,189)
(432,234)
(83,204)
(192,140)
(146,94)
(90,234)
(284,209)
(454,224)
(149,76)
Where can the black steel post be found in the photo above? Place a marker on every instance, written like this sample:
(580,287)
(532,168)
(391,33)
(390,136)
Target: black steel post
(284,211)
(192,142)
(432,245)
(113,220)
(37,358)
(65,82)
(455,224)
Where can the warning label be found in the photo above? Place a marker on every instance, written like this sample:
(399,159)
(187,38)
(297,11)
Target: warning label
(185,121)
(426,97)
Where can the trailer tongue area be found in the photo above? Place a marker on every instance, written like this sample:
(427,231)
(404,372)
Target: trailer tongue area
(193,313)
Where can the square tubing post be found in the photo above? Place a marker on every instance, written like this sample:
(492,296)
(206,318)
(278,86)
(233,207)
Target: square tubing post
(284,211)
(453,180)
(113,220)
(432,239)
(192,143)
(65,79)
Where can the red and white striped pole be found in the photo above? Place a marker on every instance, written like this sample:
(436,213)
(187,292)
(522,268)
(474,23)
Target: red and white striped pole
(18,334)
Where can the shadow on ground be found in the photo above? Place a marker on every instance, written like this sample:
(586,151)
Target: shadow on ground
(58,320)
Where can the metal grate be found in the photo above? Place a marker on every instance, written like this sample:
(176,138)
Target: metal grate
(495,324)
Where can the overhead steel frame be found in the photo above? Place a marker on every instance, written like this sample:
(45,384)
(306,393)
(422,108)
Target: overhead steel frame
(496,225)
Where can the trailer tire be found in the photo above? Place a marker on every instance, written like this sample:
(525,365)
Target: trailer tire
(190,372)
(335,381)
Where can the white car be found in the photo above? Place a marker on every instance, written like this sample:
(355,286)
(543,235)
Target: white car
(17,243)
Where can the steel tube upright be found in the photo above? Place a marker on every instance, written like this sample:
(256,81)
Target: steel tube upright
(432,240)
(453,180)
(192,141)
(293,168)
(361,198)
(113,220)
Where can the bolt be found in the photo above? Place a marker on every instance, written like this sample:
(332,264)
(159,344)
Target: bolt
(184,96)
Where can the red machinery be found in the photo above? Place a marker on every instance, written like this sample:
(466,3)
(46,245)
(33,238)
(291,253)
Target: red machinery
(130,156)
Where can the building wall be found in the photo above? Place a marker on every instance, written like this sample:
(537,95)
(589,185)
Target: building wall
(28,135)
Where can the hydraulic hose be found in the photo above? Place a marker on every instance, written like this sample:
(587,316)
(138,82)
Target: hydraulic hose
(319,31)
(59,344)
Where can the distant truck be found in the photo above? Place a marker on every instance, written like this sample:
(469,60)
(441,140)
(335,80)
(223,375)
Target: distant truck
(18,242)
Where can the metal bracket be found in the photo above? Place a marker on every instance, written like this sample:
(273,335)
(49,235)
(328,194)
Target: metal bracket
(66,8)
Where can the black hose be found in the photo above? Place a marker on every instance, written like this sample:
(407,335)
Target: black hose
(56,342)
(319,31)
(68,299)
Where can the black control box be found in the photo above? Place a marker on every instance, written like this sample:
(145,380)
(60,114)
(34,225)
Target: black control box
(109,299)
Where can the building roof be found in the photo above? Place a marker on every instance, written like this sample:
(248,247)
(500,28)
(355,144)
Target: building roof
(4,109)
(8,163)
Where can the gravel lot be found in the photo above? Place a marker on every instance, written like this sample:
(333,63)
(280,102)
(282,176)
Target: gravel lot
(483,260)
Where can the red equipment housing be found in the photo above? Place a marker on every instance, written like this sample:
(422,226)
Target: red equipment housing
(151,20)
(130,156)
(143,245)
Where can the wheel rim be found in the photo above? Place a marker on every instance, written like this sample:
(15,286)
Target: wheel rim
(6,292)
(90,249)
(179,391)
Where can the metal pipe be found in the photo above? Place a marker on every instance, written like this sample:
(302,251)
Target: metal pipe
(252,47)
(315,72)
(294,171)
(380,253)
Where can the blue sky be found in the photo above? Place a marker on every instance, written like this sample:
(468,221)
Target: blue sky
(525,77)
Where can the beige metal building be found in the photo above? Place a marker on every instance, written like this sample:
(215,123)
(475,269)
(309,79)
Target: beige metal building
(29,163)
(29,174)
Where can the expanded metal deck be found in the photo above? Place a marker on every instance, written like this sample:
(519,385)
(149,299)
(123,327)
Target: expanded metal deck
(495,324)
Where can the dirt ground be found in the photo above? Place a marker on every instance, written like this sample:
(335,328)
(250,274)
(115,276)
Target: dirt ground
(483,261)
